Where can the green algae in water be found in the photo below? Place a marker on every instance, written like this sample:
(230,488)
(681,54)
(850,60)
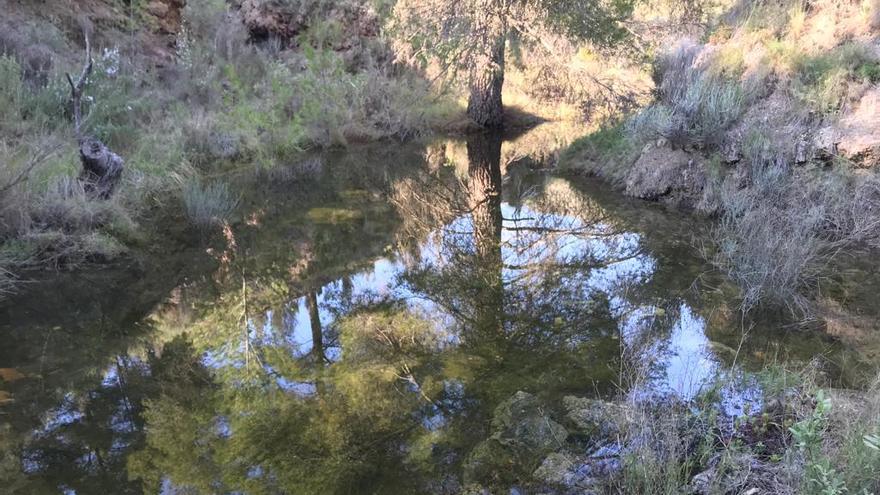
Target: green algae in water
(334,215)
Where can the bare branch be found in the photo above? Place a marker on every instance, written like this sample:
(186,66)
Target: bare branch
(76,89)
(24,174)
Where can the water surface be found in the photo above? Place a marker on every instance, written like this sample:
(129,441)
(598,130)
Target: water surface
(355,327)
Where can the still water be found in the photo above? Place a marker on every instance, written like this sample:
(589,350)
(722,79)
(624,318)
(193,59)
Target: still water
(356,326)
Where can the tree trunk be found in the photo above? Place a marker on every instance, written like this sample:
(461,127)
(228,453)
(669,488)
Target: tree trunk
(317,333)
(484,184)
(487,74)
(484,194)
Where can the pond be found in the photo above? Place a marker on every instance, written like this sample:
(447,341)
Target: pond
(364,325)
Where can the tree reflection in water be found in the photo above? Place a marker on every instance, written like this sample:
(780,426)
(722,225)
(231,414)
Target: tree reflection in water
(349,346)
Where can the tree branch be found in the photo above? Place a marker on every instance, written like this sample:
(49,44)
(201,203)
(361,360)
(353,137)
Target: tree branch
(76,89)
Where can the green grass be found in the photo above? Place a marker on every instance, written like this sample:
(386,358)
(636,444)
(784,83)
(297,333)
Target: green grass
(227,100)
(607,153)
(823,80)
(208,205)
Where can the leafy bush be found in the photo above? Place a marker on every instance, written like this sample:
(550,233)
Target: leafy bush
(337,106)
(113,107)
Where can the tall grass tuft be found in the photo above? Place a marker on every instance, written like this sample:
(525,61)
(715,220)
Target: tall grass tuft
(695,105)
(775,237)
(10,90)
(7,280)
(208,205)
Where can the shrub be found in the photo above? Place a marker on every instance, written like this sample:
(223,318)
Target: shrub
(208,204)
(840,456)
(653,122)
(865,210)
(10,90)
(703,108)
(66,207)
(113,105)
(774,237)
(264,117)
(336,106)
(823,80)
(696,102)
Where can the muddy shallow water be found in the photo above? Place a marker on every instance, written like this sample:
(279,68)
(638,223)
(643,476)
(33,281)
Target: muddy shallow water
(356,327)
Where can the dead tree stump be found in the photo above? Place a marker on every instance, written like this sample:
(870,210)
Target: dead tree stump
(101,168)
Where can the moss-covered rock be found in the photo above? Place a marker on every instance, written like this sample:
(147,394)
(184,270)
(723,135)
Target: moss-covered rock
(522,422)
(522,434)
(598,419)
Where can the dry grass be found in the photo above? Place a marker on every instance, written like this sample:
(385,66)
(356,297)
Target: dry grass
(804,439)
(777,235)
(566,81)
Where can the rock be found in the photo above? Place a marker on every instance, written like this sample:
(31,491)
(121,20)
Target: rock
(168,15)
(856,136)
(825,144)
(742,473)
(522,434)
(284,22)
(859,131)
(157,8)
(701,484)
(563,470)
(800,150)
(577,475)
(11,375)
(556,469)
(475,490)
(597,418)
(266,19)
(782,406)
(487,459)
(522,422)
(673,176)
(731,153)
